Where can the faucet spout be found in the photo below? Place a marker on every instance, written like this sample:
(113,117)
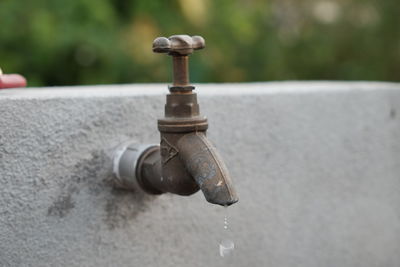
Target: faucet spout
(206,167)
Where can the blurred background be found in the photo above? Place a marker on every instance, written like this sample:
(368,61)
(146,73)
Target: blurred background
(58,42)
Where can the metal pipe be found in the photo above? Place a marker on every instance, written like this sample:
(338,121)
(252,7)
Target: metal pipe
(181,70)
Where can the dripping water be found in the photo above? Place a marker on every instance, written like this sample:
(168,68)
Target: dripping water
(226,246)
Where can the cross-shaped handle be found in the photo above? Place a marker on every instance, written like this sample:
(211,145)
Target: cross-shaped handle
(179,47)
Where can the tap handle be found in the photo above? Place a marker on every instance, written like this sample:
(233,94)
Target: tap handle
(178,45)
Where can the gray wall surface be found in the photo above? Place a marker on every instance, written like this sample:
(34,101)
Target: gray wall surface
(316,166)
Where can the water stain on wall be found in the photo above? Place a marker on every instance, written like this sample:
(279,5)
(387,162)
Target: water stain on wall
(392,113)
(123,206)
(61,206)
(85,174)
(94,177)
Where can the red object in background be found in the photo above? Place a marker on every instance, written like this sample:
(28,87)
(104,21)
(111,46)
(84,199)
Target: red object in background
(12,81)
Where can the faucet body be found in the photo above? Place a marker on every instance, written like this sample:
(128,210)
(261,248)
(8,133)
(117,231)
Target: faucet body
(185,161)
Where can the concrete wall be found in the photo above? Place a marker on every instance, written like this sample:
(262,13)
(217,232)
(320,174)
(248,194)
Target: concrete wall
(316,165)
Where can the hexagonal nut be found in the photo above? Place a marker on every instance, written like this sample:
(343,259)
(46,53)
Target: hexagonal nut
(184,109)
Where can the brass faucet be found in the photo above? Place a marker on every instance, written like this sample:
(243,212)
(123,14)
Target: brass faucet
(185,161)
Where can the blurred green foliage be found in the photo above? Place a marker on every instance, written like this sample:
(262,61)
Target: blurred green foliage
(58,42)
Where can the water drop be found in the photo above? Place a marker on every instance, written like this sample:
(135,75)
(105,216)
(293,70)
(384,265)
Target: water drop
(226,247)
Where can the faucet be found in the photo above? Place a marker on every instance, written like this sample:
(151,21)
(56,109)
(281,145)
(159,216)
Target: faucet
(185,161)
